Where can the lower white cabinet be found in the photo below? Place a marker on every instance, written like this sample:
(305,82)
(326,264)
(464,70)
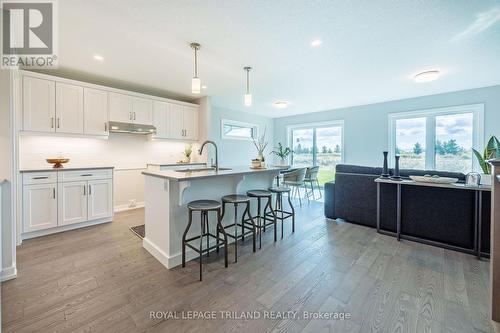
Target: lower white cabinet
(52,200)
(100,199)
(39,207)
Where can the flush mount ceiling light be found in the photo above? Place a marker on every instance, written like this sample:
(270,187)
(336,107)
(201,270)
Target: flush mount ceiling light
(248,96)
(98,57)
(195,82)
(426,76)
(280,104)
(316,43)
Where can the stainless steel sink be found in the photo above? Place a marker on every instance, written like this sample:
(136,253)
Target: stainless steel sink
(200,169)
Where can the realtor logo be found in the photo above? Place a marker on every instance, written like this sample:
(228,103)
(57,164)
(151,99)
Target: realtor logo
(29,34)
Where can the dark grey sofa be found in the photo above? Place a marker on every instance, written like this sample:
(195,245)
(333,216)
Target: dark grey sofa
(436,214)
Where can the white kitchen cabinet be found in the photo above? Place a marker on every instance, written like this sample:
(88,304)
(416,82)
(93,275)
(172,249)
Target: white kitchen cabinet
(161,119)
(100,199)
(190,122)
(69,108)
(142,111)
(175,124)
(39,207)
(96,115)
(72,203)
(39,108)
(120,107)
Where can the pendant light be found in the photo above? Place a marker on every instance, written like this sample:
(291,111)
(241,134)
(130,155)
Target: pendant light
(248,96)
(195,82)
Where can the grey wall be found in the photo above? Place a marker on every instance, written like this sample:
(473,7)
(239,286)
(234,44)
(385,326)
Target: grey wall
(237,152)
(366,127)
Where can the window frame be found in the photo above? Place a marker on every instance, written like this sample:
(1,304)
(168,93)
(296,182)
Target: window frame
(477,111)
(240,124)
(314,126)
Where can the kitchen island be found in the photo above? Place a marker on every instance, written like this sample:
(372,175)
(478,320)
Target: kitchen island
(168,192)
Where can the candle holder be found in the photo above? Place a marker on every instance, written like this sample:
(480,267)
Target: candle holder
(396,175)
(385,170)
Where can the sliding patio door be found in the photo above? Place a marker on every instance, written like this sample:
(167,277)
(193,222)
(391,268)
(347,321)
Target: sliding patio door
(318,145)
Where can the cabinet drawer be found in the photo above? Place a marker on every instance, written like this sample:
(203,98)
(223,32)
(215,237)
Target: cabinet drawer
(45,177)
(78,175)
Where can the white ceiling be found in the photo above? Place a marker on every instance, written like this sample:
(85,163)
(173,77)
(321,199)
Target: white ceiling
(370,51)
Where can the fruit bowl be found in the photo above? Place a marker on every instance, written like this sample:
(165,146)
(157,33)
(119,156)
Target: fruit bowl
(58,162)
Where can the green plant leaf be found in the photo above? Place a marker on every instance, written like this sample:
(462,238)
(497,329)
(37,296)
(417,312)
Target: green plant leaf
(482,163)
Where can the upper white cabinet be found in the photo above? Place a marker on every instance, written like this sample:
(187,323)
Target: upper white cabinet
(39,108)
(142,111)
(190,122)
(56,105)
(161,119)
(96,116)
(120,108)
(69,108)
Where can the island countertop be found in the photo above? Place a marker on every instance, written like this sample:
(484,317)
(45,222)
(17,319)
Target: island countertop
(190,175)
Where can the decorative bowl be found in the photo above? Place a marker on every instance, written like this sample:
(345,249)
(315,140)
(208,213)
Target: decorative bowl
(58,162)
(434,179)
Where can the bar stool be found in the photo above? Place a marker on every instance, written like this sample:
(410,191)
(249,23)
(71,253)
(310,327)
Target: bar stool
(204,207)
(280,213)
(237,199)
(260,195)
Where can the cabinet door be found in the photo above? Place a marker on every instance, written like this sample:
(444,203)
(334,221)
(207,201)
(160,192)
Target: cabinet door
(39,207)
(160,119)
(69,108)
(39,104)
(120,108)
(100,195)
(142,111)
(72,203)
(175,124)
(95,112)
(190,122)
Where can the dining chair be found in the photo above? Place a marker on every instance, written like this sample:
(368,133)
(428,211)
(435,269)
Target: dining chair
(311,178)
(295,179)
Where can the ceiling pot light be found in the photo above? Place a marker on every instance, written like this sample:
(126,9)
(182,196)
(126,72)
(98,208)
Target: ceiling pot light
(98,57)
(195,82)
(280,104)
(316,43)
(248,96)
(426,76)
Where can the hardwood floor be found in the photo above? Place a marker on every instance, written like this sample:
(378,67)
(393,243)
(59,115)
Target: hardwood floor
(100,279)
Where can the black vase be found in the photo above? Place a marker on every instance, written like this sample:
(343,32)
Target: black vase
(385,171)
(396,175)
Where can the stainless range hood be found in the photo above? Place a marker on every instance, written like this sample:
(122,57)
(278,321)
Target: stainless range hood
(118,127)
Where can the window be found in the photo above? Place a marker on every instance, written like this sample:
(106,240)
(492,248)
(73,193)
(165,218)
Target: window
(318,145)
(438,139)
(231,129)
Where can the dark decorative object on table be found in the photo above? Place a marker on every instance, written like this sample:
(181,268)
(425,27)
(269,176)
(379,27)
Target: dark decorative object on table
(396,175)
(385,170)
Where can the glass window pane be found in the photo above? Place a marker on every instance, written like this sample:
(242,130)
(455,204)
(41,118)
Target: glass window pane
(239,131)
(329,151)
(454,142)
(410,142)
(302,147)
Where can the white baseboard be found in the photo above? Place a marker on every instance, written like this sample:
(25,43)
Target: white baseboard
(122,208)
(38,233)
(8,273)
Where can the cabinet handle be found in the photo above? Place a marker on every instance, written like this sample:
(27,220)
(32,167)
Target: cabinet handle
(44,177)
(53,193)
(84,190)
(130,115)
(51,122)
(134,115)
(90,189)
(58,123)
(105,127)
(86,175)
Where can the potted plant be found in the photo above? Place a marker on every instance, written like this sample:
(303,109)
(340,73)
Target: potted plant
(282,153)
(261,145)
(188,149)
(491,151)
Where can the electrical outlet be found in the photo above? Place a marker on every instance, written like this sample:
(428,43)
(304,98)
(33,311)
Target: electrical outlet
(132,203)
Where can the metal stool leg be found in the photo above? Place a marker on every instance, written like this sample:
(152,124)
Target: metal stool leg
(221,228)
(281,209)
(235,233)
(247,212)
(201,243)
(184,238)
(293,213)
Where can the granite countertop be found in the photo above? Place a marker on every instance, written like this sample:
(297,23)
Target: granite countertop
(66,168)
(189,175)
